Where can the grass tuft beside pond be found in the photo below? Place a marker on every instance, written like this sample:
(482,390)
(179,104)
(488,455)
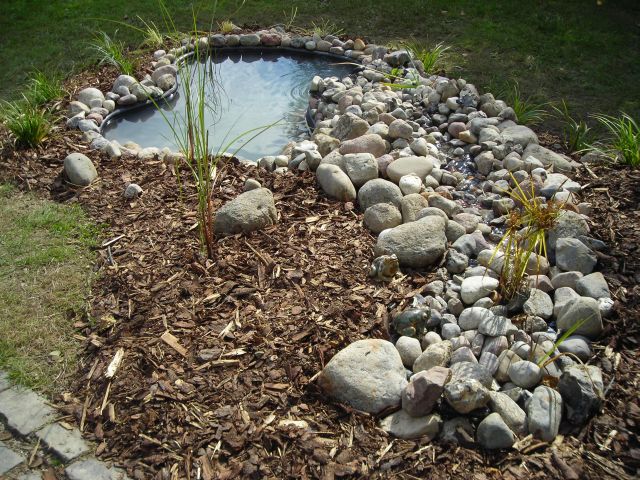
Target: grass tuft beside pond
(46,256)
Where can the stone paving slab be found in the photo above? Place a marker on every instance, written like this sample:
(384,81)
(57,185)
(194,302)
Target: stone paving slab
(93,469)
(8,459)
(66,444)
(24,410)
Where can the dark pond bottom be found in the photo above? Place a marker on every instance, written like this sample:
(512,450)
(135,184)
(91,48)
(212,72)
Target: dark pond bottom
(244,90)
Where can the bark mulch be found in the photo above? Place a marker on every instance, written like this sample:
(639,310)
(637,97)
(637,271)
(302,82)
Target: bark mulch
(220,356)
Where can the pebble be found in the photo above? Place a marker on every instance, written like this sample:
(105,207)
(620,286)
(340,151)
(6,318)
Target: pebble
(494,433)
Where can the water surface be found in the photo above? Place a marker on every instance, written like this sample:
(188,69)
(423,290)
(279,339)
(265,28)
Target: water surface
(244,90)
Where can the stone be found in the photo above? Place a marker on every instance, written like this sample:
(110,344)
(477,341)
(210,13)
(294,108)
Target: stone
(368,143)
(489,361)
(400,129)
(475,288)
(361,167)
(402,425)
(76,108)
(544,412)
(381,216)
(566,279)
(585,310)
(368,375)
(457,430)
(251,184)
(410,184)
(505,360)
(409,349)
(349,126)
(547,157)
(88,94)
(456,263)
(79,170)
(430,338)
(132,191)
(8,459)
(449,207)
(166,81)
(525,374)
(66,444)
(519,134)
(538,304)
(471,371)
(577,345)
(416,244)
(471,317)
(424,390)
(573,255)
(569,224)
(247,212)
(123,81)
(464,396)
(420,166)
(411,206)
(496,326)
(93,469)
(145,92)
(510,412)
(494,433)
(88,126)
(4,381)
(335,183)
(436,355)
(463,354)
(466,244)
(249,40)
(467,220)
(24,410)
(593,285)
(379,191)
(582,390)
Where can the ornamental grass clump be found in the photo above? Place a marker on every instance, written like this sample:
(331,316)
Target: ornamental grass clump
(527,228)
(43,88)
(431,58)
(28,123)
(576,134)
(528,111)
(623,144)
(108,51)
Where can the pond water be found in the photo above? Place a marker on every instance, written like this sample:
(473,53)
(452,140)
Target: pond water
(244,90)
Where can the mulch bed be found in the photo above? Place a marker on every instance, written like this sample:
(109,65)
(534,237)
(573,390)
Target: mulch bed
(249,330)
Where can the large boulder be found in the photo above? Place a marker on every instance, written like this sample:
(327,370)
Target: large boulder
(368,375)
(519,134)
(79,170)
(421,166)
(379,191)
(547,157)
(247,212)
(417,244)
(335,183)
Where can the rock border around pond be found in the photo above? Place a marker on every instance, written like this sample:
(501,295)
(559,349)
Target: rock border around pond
(431,163)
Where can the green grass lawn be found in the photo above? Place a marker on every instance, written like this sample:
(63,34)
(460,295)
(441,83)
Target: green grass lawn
(571,49)
(46,261)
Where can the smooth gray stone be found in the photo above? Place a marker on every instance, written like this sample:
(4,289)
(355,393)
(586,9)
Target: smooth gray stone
(544,412)
(92,469)
(24,410)
(494,433)
(594,286)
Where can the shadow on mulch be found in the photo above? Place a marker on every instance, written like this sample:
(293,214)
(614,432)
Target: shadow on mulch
(250,329)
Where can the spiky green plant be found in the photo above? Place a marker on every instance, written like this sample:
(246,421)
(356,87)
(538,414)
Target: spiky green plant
(111,52)
(326,27)
(28,123)
(226,26)
(623,144)
(44,88)
(528,111)
(542,362)
(576,134)
(431,58)
(527,228)
(152,37)
(290,18)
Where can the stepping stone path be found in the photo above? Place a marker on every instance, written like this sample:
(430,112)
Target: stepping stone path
(28,425)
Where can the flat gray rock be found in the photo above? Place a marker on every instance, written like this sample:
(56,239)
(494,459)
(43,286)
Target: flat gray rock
(593,285)
(66,444)
(510,411)
(79,169)
(8,459)
(584,310)
(538,304)
(421,166)
(416,244)
(496,326)
(25,411)
(581,388)
(436,355)
(573,255)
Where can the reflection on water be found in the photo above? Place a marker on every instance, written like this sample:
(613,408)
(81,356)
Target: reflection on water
(244,91)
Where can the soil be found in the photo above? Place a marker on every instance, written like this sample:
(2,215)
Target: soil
(220,355)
